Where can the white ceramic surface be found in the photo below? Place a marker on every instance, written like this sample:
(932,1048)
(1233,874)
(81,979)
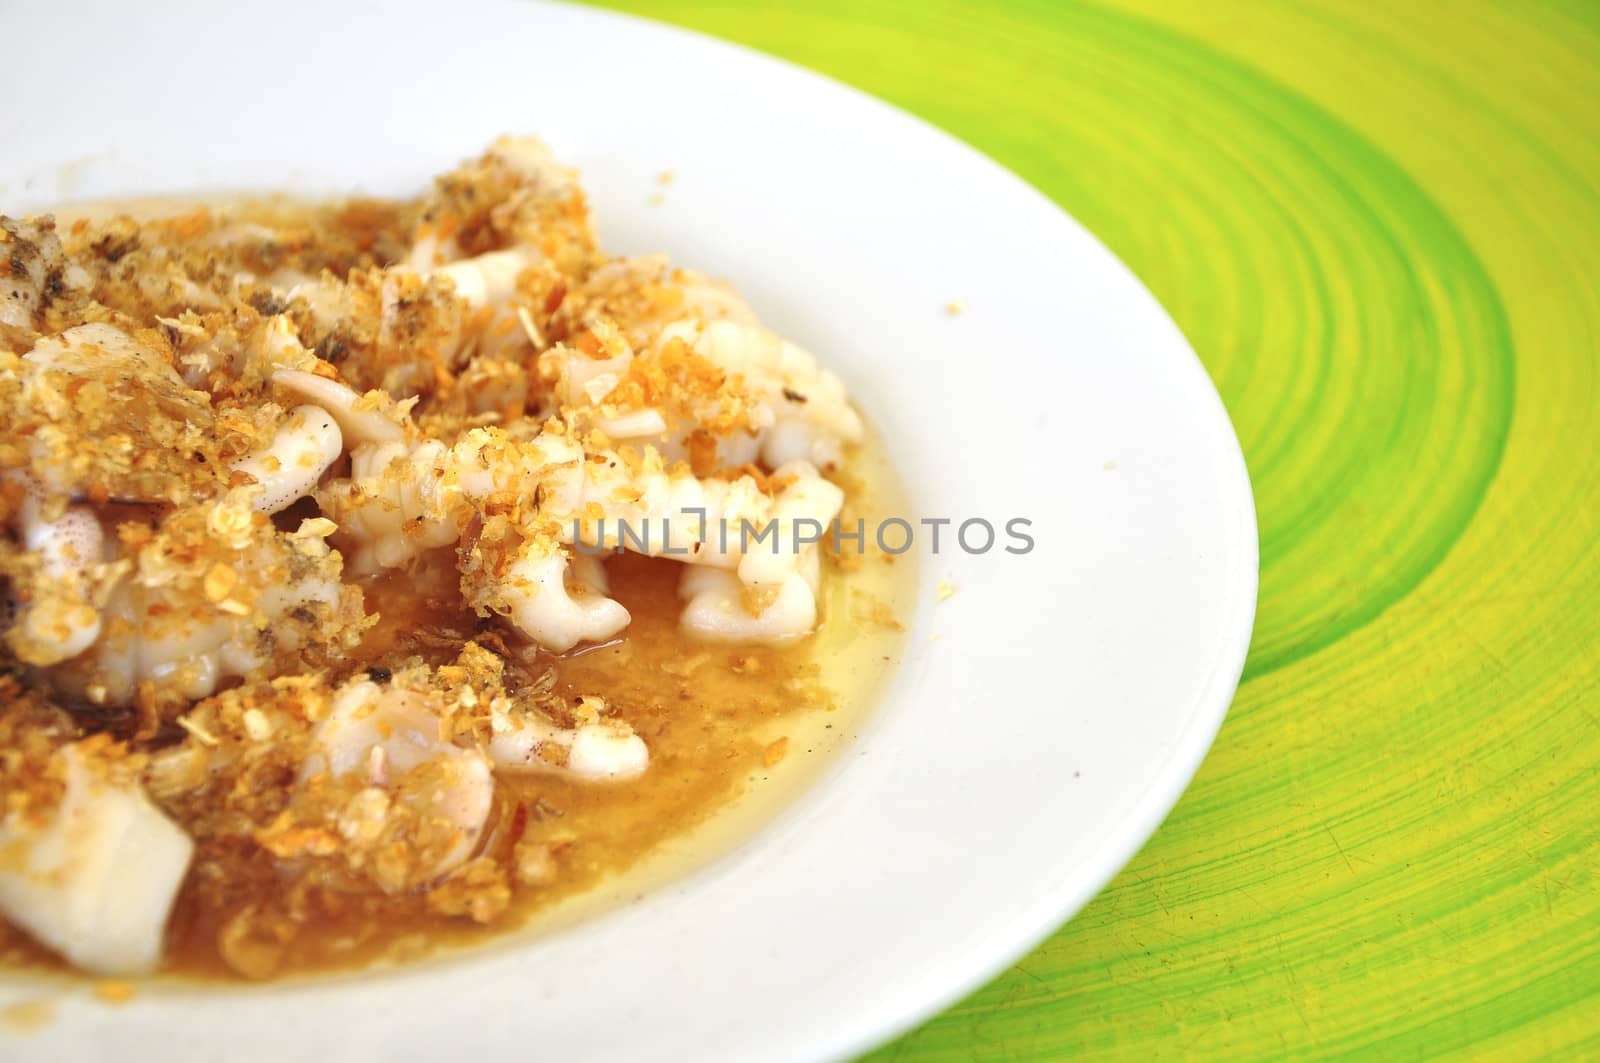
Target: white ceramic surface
(1046,717)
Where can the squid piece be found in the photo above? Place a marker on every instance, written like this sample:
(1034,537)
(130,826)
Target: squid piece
(404,331)
(806,408)
(97,879)
(216,594)
(554,611)
(402,501)
(791,408)
(486,285)
(719,608)
(808,500)
(236,352)
(96,400)
(644,294)
(518,210)
(393,329)
(396,504)
(57,618)
(596,751)
(768,543)
(532,199)
(304,447)
(371,418)
(489,279)
(390,737)
(274,349)
(587,380)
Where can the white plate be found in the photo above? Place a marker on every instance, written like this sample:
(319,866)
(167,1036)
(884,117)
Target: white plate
(1020,759)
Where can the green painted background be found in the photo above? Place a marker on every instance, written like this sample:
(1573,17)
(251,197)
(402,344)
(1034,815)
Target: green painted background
(1379,225)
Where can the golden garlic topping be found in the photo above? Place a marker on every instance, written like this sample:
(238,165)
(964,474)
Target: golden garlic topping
(377,567)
